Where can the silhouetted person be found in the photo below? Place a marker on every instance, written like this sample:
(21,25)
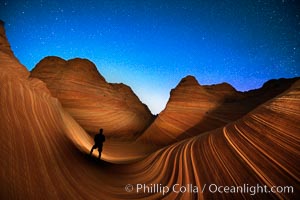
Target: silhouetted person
(99,139)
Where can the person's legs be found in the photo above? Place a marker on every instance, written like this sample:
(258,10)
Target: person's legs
(99,150)
(94,147)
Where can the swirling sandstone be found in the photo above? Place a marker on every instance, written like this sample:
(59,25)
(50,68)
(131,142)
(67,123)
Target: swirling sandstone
(92,101)
(43,150)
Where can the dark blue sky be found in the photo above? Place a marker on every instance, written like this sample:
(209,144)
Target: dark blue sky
(151,45)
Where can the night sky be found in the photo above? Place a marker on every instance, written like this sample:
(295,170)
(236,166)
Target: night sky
(151,45)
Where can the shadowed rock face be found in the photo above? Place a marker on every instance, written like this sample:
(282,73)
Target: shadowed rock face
(43,150)
(7,56)
(194,109)
(92,101)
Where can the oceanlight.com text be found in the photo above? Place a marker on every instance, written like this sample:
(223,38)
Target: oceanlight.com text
(211,188)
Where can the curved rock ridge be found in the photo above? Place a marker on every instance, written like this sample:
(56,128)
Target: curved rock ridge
(93,102)
(223,91)
(41,161)
(8,58)
(262,148)
(42,145)
(11,67)
(194,109)
(43,153)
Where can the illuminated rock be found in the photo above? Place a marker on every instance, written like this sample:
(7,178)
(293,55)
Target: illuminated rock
(92,101)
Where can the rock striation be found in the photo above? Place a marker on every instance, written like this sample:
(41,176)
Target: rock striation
(44,150)
(194,109)
(93,102)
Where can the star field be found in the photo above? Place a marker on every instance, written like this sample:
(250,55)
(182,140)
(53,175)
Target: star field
(151,45)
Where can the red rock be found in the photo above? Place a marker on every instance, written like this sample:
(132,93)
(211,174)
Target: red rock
(93,102)
(194,109)
(43,150)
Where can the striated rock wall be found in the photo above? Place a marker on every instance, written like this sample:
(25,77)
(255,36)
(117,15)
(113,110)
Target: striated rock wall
(92,101)
(43,151)
(194,109)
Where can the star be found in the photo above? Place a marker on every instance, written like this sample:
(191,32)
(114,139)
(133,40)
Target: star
(222,42)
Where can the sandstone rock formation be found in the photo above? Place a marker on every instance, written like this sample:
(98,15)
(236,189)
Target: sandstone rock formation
(43,150)
(194,109)
(92,101)
(7,56)
(260,149)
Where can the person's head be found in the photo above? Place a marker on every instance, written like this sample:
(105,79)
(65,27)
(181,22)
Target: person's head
(101,131)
